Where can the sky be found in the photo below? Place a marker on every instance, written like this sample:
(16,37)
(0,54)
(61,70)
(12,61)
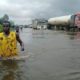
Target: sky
(24,11)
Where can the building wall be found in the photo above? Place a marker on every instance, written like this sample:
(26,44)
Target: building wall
(39,24)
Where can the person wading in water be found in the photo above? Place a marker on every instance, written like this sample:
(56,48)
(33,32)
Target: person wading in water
(8,41)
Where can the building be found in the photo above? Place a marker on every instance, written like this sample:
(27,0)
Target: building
(39,24)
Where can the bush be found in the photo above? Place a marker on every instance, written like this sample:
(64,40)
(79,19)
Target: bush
(1,28)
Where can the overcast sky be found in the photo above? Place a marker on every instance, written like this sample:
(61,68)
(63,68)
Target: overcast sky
(23,11)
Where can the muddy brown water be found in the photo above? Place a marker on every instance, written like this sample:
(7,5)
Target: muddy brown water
(53,55)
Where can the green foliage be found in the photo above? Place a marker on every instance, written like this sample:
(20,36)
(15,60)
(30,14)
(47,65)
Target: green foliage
(12,29)
(12,23)
(6,18)
(1,28)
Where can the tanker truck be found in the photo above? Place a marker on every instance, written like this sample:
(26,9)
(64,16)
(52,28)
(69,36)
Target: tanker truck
(65,22)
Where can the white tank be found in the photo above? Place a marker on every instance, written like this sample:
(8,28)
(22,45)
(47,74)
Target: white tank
(63,20)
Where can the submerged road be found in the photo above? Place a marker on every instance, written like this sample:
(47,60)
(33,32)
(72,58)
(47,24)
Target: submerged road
(53,55)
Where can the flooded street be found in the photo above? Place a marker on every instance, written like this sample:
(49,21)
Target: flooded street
(53,55)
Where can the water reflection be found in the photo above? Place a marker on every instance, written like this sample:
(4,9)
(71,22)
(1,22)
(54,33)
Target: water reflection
(73,35)
(77,35)
(9,67)
(38,34)
(9,76)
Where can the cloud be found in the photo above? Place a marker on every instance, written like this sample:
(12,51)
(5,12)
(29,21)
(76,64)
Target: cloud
(23,11)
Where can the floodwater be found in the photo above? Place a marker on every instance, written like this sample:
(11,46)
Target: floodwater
(53,55)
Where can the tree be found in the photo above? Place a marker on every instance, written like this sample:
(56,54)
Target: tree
(12,23)
(5,17)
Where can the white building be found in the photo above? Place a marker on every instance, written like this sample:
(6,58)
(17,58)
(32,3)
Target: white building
(39,24)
